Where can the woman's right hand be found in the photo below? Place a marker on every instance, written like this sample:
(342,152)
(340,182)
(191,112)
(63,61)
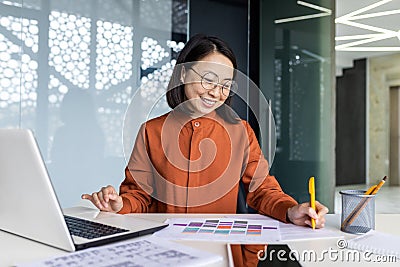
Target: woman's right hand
(106,199)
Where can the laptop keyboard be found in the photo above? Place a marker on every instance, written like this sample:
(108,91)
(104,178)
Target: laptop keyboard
(88,229)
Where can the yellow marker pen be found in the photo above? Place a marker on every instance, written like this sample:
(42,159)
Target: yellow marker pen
(311,191)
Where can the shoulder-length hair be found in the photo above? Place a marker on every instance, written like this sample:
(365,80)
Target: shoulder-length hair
(198,47)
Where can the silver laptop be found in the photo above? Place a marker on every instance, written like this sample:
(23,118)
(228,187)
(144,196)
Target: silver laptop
(29,205)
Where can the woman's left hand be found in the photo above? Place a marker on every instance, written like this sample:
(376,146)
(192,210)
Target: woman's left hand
(301,214)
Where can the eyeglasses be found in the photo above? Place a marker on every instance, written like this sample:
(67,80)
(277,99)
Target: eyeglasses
(210,81)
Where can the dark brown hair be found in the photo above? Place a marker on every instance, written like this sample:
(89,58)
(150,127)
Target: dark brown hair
(196,48)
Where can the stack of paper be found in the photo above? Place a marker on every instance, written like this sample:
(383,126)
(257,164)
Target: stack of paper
(145,251)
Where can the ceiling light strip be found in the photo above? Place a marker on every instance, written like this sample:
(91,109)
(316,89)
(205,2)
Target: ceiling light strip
(355,37)
(302,3)
(301,18)
(313,55)
(361,10)
(326,12)
(365,41)
(371,49)
(377,14)
(366,27)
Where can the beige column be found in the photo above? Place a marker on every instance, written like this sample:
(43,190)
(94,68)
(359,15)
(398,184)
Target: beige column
(383,72)
(394,160)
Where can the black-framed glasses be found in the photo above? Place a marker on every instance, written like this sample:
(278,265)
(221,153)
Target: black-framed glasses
(210,80)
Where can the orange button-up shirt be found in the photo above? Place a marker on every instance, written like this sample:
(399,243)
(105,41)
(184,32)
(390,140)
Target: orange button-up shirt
(185,165)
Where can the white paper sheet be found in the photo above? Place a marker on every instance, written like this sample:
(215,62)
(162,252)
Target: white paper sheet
(378,243)
(291,232)
(233,230)
(294,232)
(144,251)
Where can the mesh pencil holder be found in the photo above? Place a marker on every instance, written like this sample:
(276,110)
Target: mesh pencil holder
(358,211)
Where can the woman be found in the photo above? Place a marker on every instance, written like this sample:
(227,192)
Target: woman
(191,159)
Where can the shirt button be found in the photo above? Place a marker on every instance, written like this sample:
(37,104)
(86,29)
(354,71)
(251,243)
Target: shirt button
(197,124)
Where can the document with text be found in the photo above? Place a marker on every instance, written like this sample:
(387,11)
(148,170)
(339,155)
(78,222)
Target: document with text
(143,251)
(291,232)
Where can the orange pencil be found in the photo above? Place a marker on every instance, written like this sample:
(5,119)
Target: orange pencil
(377,187)
(357,210)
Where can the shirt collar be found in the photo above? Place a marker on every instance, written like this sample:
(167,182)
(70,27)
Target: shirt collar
(185,120)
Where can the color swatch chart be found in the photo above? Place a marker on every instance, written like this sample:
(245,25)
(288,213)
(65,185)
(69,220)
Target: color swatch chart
(223,229)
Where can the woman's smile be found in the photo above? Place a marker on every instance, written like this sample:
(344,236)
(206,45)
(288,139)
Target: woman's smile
(209,103)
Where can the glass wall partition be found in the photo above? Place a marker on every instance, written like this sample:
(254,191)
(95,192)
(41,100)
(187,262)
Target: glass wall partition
(68,69)
(296,53)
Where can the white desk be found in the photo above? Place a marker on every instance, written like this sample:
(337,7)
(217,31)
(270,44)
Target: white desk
(14,249)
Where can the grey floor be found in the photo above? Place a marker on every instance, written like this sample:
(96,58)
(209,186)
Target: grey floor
(386,201)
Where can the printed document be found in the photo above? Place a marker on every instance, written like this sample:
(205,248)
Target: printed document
(144,251)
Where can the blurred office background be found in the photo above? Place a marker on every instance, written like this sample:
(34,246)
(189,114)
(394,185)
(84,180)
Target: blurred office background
(69,69)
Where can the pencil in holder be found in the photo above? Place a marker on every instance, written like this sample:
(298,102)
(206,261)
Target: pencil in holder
(358,211)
